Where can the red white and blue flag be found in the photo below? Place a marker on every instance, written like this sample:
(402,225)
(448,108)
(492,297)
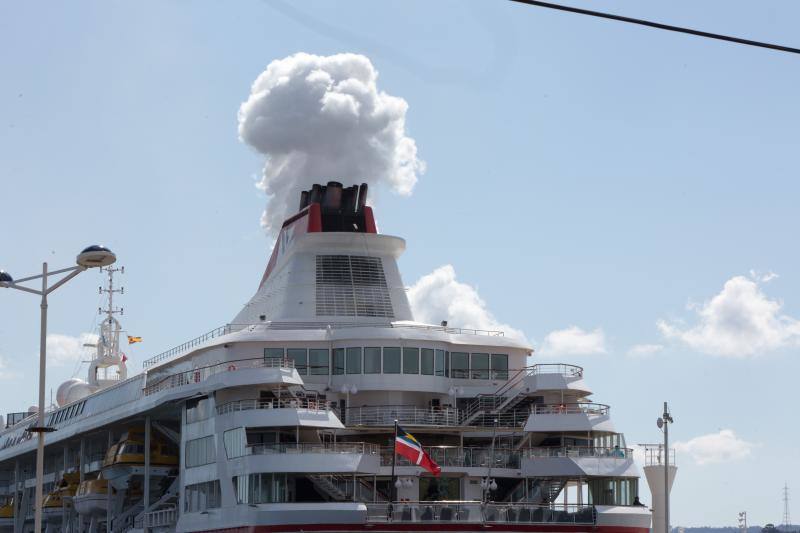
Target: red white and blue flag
(409,447)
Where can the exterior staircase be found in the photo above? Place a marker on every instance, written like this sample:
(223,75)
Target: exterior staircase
(484,408)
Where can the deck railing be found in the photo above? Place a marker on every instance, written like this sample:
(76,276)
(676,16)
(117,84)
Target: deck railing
(556,368)
(570,409)
(359,448)
(385,415)
(477,512)
(578,451)
(234,406)
(456,456)
(197,375)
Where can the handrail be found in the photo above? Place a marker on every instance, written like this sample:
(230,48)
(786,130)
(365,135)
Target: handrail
(457,456)
(556,368)
(477,512)
(282,403)
(361,448)
(231,328)
(196,375)
(570,408)
(385,415)
(577,451)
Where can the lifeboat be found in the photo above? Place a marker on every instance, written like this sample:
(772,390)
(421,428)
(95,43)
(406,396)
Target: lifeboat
(91,498)
(125,459)
(59,499)
(7,512)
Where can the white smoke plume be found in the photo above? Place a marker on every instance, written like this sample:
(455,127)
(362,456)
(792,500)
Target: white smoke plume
(320,118)
(440,296)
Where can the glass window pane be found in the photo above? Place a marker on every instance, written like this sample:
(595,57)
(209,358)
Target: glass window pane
(273,353)
(338,361)
(372,360)
(300,358)
(499,366)
(318,361)
(391,360)
(354,360)
(427,361)
(459,364)
(410,360)
(439,363)
(480,366)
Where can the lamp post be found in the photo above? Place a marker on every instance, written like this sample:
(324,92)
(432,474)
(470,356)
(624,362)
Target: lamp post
(93,256)
(488,484)
(663,423)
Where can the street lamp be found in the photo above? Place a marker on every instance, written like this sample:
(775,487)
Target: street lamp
(663,423)
(90,257)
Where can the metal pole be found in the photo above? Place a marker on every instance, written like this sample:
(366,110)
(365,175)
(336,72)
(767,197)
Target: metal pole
(147,437)
(666,468)
(37,528)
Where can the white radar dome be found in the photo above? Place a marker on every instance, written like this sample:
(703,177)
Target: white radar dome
(74,391)
(63,391)
(33,410)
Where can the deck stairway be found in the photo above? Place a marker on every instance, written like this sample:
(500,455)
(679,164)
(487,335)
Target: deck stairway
(340,488)
(507,404)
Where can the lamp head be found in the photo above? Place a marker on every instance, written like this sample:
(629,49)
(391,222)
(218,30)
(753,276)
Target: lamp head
(5,277)
(95,256)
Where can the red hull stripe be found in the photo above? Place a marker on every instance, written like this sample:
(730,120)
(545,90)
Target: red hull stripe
(433,526)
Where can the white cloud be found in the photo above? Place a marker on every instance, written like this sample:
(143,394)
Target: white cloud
(644,350)
(320,118)
(721,447)
(65,349)
(439,296)
(740,321)
(573,341)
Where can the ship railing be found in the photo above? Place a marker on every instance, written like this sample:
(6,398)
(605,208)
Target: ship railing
(200,374)
(385,415)
(231,328)
(556,368)
(162,517)
(456,456)
(477,512)
(358,448)
(570,409)
(654,454)
(272,403)
(578,451)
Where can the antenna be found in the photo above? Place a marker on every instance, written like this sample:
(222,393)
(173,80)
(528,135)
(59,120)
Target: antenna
(786,518)
(743,522)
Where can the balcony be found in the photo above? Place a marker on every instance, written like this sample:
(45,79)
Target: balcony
(556,368)
(235,406)
(556,377)
(569,417)
(578,461)
(201,374)
(455,456)
(358,448)
(578,451)
(407,415)
(476,512)
(334,458)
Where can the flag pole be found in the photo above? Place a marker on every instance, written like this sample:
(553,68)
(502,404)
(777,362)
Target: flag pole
(393,488)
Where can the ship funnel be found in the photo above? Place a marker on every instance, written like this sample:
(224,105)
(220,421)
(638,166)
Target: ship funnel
(654,471)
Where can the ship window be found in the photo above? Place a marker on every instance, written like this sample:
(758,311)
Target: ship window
(202,496)
(354,360)
(372,360)
(459,364)
(235,441)
(338,361)
(351,286)
(480,366)
(499,366)
(439,363)
(197,409)
(427,361)
(410,360)
(300,358)
(318,361)
(200,451)
(260,488)
(391,360)
(273,353)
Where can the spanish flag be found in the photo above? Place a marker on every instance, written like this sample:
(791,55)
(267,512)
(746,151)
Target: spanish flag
(134,340)
(409,447)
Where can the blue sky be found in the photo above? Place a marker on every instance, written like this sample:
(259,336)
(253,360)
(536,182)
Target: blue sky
(580,174)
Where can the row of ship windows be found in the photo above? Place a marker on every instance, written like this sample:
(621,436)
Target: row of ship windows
(394,360)
(66,413)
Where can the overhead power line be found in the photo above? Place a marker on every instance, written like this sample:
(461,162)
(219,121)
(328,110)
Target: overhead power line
(659,26)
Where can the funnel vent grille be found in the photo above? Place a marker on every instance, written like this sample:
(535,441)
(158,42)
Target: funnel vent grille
(352,285)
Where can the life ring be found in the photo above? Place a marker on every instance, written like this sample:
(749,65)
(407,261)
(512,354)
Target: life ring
(231,367)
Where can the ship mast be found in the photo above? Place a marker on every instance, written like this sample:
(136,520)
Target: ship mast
(108,352)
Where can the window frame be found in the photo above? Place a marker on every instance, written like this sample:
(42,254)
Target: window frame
(388,352)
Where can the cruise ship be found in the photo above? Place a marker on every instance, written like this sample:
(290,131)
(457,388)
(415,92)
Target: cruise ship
(283,420)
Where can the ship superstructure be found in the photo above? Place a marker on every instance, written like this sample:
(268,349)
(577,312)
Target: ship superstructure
(282,420)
